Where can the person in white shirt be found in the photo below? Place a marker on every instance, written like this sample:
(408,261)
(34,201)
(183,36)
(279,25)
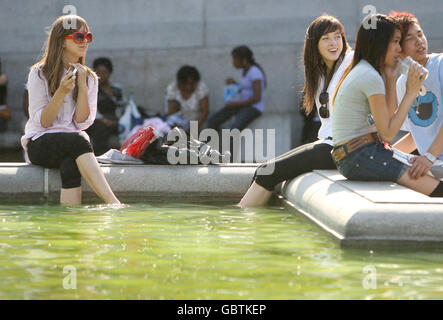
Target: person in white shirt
(326,54)
(251,103)
(62,104)
(425,117)
(188,98)
(252,92)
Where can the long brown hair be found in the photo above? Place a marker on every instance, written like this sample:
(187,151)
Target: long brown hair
(371,44)
(315,66)
(51,63)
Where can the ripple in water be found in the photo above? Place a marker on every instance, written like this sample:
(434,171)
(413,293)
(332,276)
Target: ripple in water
(195,251)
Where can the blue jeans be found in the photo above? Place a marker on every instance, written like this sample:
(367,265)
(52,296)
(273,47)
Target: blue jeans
(372,162)
(244,116)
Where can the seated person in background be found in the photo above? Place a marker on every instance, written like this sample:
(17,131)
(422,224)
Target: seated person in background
(104,130)
(425,118)
(187,98)
(5,112)
(26,101)
(252,83)
(326,54)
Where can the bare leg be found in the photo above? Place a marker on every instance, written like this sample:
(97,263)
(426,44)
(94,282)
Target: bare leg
(425,184)
(71,196)
(255,196)
(92,173)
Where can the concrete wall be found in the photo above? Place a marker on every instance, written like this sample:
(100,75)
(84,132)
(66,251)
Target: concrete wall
(149,40)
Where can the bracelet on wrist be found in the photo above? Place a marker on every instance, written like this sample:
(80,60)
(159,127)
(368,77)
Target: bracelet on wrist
(430,157)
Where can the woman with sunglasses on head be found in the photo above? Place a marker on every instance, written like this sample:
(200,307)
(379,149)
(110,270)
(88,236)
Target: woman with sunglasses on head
(366,110)
(62,104)
(325,55)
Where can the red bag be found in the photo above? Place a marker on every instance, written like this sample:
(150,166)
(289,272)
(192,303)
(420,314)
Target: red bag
(136,145)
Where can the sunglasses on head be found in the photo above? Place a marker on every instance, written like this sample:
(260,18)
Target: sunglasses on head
(80,37)
(324,100)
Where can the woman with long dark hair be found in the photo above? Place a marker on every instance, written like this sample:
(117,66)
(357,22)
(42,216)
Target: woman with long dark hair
(325,56)
(62,104)
(366,111)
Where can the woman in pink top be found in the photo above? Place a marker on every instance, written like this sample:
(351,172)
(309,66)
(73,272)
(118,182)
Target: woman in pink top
(63,103)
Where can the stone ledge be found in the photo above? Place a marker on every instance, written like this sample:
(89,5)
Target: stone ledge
(30,183)
(366,214)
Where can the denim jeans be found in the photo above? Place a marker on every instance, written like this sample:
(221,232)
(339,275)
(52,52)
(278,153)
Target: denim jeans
(244,116)
(372,162)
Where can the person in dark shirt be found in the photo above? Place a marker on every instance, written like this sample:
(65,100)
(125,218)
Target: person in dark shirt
(104,131)
(26,101)
(311,124)
(5,112)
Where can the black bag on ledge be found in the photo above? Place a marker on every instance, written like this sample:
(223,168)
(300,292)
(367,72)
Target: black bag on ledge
(184,150)
(145,146)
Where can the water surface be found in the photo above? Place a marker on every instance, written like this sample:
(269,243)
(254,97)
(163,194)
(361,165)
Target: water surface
(196,251)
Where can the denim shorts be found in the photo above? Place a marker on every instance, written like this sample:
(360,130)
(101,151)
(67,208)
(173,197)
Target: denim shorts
(372,162)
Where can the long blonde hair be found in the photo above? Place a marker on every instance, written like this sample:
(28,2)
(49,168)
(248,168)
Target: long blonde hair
(51,64)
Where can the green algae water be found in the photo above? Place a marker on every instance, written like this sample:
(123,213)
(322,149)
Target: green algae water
(196,251)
